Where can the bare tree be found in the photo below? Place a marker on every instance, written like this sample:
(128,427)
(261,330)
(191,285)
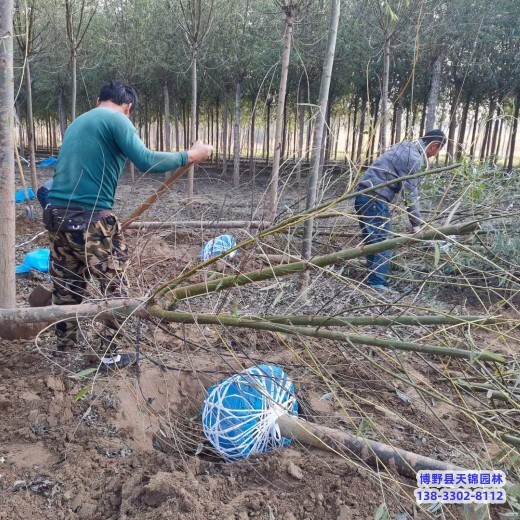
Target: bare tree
(236,134)
(26,37)
(78,17)
(312,186)
(7,186)
(167,127)
(433,94)
(290,8)
(197,17)
(392,16)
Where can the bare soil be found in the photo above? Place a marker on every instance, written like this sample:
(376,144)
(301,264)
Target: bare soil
(130,445)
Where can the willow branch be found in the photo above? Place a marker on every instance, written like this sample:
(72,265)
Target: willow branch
(169,291)
(228,321)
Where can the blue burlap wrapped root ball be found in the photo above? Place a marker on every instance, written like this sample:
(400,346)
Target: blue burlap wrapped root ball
(217,246)
(239,414)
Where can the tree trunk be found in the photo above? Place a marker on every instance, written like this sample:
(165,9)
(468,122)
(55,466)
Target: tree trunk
(399,120)
(175,107)
(384,94)
(193,122)
(283,152)
(423,118)
(217,140)
(361,450)
(7,184)
(21,145)
(347,137)
(197,120)
(167,127)
(61,111)
(485,139)
(252,139)
(484,151)
(474,133)
(392,128)
(301,132)
(433,95)
(159,133)
(500,144)
(30,127)
(54,140)
(267,129)
(462,128)
(514,133)
(374,118)
(236,135)
(273,186)
(224,138)
(230,135)
(407,124)
(496,131)
(453,121)
(312,186)
(364,97)
(309,137)
(354,131)
(328,135)
(146,125)
(209,124)
(414,118)
(184,127)
(74,66)
(336,139)
(47,134)
(295,129)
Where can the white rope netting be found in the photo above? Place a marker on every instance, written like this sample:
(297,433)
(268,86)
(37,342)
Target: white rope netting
(240,414)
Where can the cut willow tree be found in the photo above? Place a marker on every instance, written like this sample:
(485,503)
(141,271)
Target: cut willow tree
(7,185)
(296,325)
(290,8)
(312,183)
(158,303)
(196,20)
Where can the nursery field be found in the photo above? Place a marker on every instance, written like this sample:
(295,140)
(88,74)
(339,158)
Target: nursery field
(78,444)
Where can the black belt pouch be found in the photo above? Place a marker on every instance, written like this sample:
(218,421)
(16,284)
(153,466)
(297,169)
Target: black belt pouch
(71,219)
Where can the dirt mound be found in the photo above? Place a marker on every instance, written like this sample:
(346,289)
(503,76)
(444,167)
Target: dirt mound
(66,456)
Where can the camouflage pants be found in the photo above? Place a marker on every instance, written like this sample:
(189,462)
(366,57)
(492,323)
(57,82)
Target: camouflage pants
(100,253)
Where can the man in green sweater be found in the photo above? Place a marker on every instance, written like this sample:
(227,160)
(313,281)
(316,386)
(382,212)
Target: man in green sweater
(86,240)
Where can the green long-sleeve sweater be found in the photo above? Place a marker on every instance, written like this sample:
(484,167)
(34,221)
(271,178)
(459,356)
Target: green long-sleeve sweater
(93,154)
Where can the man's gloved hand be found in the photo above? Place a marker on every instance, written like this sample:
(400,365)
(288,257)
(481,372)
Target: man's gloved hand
(199,152)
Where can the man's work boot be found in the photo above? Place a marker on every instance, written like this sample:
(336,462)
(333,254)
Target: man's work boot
(113,362)
(111,357)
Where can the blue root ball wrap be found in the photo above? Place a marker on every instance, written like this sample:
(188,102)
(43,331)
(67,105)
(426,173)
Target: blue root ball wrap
(239,415)
(217,246)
